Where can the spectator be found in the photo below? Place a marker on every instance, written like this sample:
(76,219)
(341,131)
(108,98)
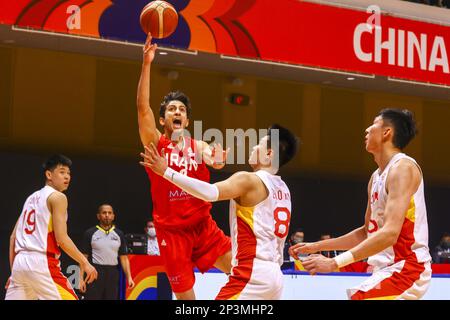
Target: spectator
(152,241)
(104,245)
(441,254)
(296,237)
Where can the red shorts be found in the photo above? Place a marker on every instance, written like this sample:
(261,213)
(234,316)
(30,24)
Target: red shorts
(197,246)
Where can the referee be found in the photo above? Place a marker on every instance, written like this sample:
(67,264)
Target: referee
(104,245)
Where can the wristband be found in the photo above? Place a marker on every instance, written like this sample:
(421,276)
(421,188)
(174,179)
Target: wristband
(344,259)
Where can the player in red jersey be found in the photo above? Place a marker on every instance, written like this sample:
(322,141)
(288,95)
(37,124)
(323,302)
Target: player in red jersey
(187,235)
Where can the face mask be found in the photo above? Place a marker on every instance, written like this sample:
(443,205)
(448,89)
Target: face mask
(445,244)
(297,240)
(151,232)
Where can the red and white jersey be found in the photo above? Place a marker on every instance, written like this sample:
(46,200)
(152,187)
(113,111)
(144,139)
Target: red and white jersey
(260,231)
(172,206)
(35,226)
(412,243)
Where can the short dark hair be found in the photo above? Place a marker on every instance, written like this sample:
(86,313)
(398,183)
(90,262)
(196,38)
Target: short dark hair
(404,125)
(55,160)
(99,209)
(288,144)
(175,95)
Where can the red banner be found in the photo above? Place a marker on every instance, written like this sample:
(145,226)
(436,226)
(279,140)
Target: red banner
(290,31)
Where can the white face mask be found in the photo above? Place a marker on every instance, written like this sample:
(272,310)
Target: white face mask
(151,232)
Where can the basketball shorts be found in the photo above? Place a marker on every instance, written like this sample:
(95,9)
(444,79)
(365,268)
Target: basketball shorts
(38,277)
(195,246)
(253,280)
(403,280)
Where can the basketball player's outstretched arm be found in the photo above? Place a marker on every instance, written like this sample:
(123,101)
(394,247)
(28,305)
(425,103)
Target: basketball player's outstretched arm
(345,242)
(57,204)
(234,187)
(146,119)
(402,182)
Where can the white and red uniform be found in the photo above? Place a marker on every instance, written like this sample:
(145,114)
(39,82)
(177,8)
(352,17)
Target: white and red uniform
(402,271)
(36,272)
(258,234)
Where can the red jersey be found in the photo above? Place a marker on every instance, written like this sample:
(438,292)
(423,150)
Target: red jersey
(173,207)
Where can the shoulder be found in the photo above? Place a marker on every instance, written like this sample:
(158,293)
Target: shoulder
(404,168)
(246,178)
(90,231)
(56,198)
(119,232)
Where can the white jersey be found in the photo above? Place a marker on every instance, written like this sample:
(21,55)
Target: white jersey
(412,243)
(260,232)
(35,226)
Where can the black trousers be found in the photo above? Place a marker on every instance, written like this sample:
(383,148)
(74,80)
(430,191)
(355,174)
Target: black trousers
(106,287)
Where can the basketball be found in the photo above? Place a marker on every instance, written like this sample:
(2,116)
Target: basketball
(159,18)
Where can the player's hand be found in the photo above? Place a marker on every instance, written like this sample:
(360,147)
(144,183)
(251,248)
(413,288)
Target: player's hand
(82,286)
(304,248)
(130,283)
(153,160)
(318,263)
(149,50)
(8,282)
(91,273)
(219,156)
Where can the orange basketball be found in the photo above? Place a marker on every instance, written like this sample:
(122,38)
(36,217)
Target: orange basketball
(159,18)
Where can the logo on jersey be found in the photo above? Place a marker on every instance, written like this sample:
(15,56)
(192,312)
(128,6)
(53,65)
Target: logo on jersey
(373,226)
(163,243)
(177,195)
(374,197)
(184,160)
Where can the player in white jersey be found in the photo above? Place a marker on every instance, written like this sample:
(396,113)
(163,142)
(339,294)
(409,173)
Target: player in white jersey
(395,234)
(260,212)
(39,232)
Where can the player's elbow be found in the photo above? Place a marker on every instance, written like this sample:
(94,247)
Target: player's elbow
(391,236)
(61,240)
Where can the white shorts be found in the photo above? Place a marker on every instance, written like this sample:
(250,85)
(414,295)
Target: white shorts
(253,280)
(35,276)
(403,280)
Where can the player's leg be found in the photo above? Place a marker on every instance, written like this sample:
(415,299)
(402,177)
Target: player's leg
(420,287)
(176,251)
(20,292)
(390,283)
(19,287)
(212,247)
(264,283)
(49,282)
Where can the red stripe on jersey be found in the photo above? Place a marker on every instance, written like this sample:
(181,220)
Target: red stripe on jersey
(403,246)
(60,279)
(52,245)
(246,253)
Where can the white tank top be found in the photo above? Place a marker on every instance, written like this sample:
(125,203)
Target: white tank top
(260,231)
(35,226)
(412,243)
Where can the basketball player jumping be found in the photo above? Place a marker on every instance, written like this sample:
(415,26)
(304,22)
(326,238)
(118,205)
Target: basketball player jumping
(260,211)
(38,234)
(187,235)
(395,234)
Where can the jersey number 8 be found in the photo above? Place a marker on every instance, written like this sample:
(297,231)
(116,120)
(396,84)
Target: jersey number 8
(282,218)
